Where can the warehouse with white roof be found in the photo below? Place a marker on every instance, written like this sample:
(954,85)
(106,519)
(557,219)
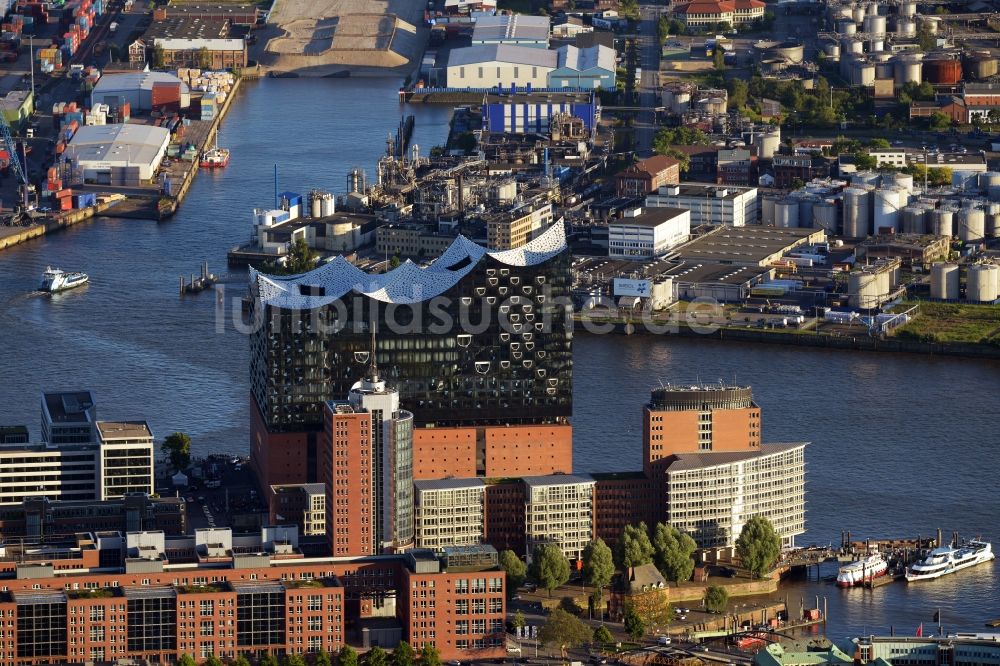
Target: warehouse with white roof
(136,88)
(504,65)
(516,29)
(118,154)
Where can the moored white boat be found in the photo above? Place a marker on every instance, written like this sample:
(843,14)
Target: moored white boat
(54,280)
(862,571)
(948,559)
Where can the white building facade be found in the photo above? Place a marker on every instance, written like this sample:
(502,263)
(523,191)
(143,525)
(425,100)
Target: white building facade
(709,204)
(559,509)
(503,65)
(711,496)
(449,512)
(642,233)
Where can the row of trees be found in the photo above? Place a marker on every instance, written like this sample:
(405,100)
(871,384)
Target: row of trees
(403,655)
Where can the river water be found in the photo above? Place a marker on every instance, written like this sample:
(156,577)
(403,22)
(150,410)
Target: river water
(900,445)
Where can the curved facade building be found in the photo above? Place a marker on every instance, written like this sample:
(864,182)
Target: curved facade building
(478,345)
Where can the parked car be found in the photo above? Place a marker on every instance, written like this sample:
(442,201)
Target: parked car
(663,640)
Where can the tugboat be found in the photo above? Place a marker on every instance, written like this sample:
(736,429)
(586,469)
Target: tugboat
(862,571)
(54,280)
(216,158)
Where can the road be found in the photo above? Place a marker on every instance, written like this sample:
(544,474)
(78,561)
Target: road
(649,60)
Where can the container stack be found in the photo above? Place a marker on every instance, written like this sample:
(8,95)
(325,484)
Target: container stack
(50,59)
(219,83)
(10,38)
(209,106)
(64,200)
(98,115)
(84,200)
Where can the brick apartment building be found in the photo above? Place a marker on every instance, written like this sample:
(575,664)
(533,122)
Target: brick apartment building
(647,175)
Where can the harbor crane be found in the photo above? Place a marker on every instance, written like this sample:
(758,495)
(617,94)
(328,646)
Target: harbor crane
(15,161)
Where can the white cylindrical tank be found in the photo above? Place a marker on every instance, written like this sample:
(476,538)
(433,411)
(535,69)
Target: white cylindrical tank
(315,206)
(908,8)
(944,281)
(863,290)
(786,213)
(887,205)
(328,204)
(767,143)
(872,9)
(908,68)
(825,217)
(970,224)
(930,24)
(806,204)
(913,220)
(853,46)
(857,214)
(865,178)
(982,283)
(884,69)
(989,179)
(992,225)
(900,180)
(847,27)
(942,222)
(883,283)
(906,27)
(858,13)
(767,209)
(875,25)
(876,45)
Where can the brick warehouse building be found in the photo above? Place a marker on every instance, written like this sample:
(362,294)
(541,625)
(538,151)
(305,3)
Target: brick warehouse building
(148,598)
(488,403)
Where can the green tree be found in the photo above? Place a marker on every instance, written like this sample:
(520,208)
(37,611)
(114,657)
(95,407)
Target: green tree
(518,620)
(634,626)
(300,258)
(549,567)
(634,548)
(516,570)
(939,176)
(683,136)
(403,655)
(212,660)
(758,546)
(158,57)
(177,447)
(204,58)
(322,658)
(879,143)
(939,121)
(718,58)
(347,656)
(629,9)
(716,599)
(241,661)
(865,162)
(186,660)
(563,630)
(683,158)
(739,91)
(603,636)
(294,660)
(925,39)
(268,660)
(376,657)
(598,563)
(429,656)
(673,553)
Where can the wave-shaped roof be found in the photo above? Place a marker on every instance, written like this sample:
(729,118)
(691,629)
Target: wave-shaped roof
(407,283)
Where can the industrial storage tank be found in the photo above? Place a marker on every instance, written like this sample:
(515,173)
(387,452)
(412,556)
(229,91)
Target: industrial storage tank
(888,201)
(989,179)
(862,73)
(944,281)
(930,24)
(864,290)
(908,8)
(908,68)
(875,25)
(315,205)
(767,209)
(979,65)
(942,69)
(328,204)
(900,180)
(859,13)
(825,216)
(847,27)
(885,68)
(857,214)
(832,50)
(906,27)
(786,213)
(992,225)
(982,284)
(914,220)
(865,178)
(767,143)
(942,222)
(806,204)
(852,46)
(876,45)
(970,224)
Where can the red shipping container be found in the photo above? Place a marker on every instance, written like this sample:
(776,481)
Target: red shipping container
(55,185)
(60,148)
(166,93)
(64,193)
(66,203)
